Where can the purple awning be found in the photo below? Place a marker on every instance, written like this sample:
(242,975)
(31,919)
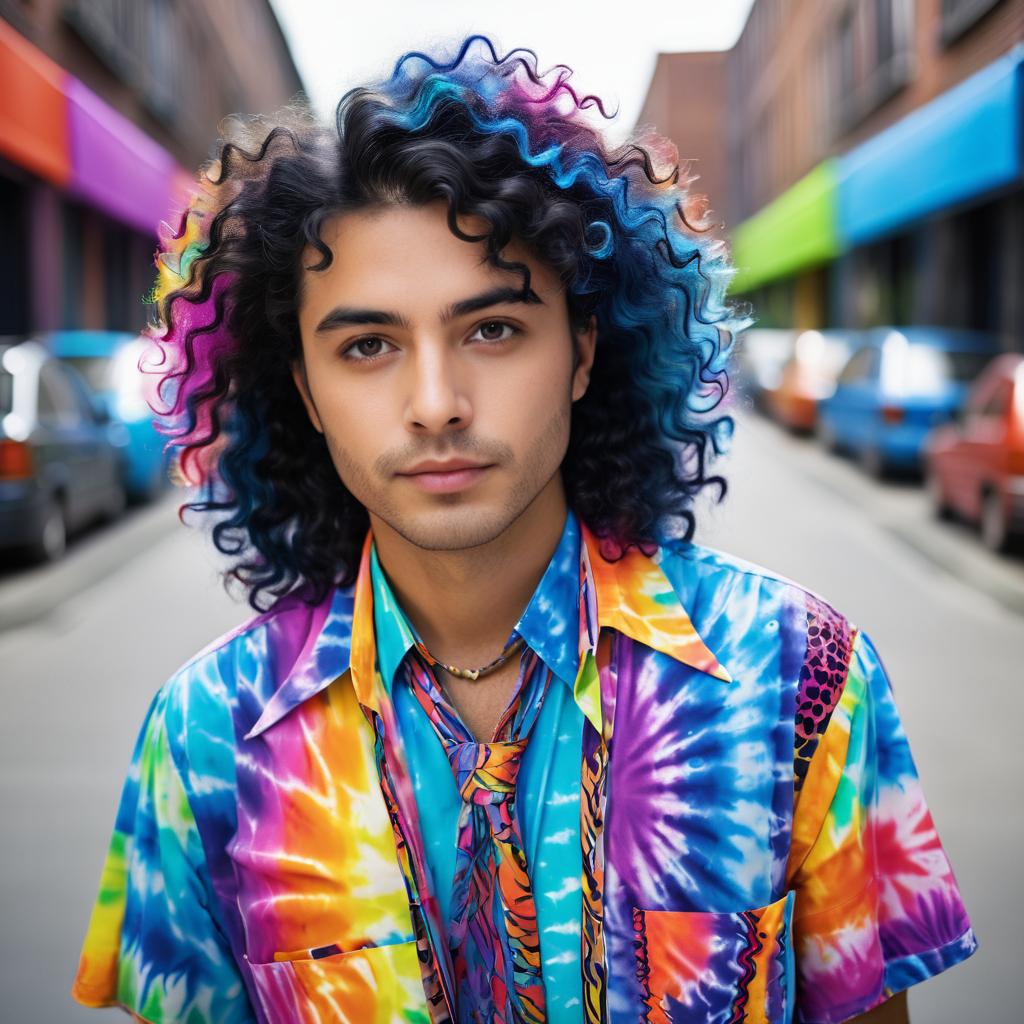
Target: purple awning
(114,165)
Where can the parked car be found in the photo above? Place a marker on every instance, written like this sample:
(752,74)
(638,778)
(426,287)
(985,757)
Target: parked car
(109,362)
(808,377)
(760,355)
(974,467)
(897,385)
(60,469)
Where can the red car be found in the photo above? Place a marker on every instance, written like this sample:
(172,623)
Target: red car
(974,466)
(808,376)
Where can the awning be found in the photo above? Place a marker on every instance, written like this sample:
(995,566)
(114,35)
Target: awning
(965,143)
(794,231)
(33,122)
(56,128)
(116,166)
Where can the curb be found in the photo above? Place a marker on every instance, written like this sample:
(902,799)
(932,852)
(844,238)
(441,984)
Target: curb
(946,554)
(30,595)
(958,556)
(954,552)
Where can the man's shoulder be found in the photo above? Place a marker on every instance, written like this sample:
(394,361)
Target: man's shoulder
(759,623)
(210,665)
(710,581)
(774,635)
(248,663)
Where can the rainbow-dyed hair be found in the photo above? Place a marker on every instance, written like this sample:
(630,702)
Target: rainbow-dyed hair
(496,138)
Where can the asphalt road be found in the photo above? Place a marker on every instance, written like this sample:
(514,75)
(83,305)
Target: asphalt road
(946,617)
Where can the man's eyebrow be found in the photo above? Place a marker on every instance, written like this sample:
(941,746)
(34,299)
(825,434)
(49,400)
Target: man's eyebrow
(350,316)
(492,297)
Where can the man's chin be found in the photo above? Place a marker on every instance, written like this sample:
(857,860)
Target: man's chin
(453,528)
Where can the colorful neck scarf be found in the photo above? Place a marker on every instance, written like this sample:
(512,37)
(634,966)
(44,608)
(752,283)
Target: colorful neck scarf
(492,935)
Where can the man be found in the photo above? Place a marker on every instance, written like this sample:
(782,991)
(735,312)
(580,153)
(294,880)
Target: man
(506,745)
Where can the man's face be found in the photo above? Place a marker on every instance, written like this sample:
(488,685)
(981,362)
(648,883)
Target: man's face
(416,349)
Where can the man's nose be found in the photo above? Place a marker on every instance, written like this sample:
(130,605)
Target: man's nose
(438,396)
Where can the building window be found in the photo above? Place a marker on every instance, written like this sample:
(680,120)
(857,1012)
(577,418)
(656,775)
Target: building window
(958,16)
(885,34)
(890,58)
(847,48)
(112,31)
(874,58)
(119,298)
(72,255)
(14,283)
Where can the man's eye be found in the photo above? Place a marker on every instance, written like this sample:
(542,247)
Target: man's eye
(492,330)
(364,349)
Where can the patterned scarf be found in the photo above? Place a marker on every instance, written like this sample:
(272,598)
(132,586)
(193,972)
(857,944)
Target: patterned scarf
(493,933)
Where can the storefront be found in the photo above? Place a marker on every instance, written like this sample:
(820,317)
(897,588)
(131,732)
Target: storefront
(778,252)
(82,190)
(922,223)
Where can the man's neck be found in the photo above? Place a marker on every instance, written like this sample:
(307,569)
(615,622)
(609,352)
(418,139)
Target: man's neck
(465,603)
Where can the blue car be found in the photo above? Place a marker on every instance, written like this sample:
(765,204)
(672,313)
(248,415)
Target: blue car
(898,383)
(109,362)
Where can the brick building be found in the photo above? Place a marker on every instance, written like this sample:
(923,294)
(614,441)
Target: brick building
(106,108)
(687,102)
(873,161)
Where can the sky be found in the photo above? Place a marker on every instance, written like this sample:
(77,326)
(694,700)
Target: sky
(611,50)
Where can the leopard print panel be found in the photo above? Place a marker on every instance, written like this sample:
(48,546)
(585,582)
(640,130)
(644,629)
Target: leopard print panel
(822,677)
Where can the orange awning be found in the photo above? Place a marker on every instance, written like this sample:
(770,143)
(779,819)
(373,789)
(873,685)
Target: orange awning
(33,109)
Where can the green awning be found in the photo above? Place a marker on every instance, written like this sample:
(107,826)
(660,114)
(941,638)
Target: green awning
(794,231)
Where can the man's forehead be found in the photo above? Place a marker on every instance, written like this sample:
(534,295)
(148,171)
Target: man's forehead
(400,253)
(395,224)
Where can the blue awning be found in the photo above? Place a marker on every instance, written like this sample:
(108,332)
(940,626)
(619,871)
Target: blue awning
(965,143)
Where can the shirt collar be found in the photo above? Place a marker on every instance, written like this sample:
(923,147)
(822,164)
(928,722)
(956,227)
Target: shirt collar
(548,625)
(635,597)
(631,594)
(393,631)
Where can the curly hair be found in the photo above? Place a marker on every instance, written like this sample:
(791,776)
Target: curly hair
(495,138)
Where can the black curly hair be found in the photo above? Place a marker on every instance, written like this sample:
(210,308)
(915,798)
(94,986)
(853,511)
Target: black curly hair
(494,138)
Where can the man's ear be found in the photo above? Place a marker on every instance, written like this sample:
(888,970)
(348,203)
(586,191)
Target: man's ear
(585,342)
(299,376)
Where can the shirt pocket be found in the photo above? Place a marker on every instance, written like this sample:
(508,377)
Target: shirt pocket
(714,968)
(374,985)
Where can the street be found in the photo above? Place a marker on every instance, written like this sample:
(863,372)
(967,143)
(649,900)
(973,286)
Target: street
(77,681)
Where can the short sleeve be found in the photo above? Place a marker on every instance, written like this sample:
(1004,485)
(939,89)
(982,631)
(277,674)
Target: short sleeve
(877,906)
(153,946)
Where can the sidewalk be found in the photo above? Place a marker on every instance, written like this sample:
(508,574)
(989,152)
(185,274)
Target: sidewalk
(29,594)
(901,508)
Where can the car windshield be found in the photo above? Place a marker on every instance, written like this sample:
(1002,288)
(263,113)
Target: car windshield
(966,366)
(922,369)
(6,393)
(95,370)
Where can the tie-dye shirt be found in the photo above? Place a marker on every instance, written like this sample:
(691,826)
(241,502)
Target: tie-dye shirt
(548,786)
(753,839)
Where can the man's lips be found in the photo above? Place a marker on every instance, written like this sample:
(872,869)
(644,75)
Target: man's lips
(442,466)
(445,478)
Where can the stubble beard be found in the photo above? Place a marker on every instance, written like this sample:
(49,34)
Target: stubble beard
(451,522)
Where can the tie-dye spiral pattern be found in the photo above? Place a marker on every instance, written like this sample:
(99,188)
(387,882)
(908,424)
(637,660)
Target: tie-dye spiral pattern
(261,871)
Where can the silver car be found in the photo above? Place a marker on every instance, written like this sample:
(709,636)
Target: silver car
(60,467)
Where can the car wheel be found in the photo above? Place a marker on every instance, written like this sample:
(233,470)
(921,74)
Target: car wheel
(116,504)
(994,532)
(53,537)
(872,462)
(936,496)
(827,437)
